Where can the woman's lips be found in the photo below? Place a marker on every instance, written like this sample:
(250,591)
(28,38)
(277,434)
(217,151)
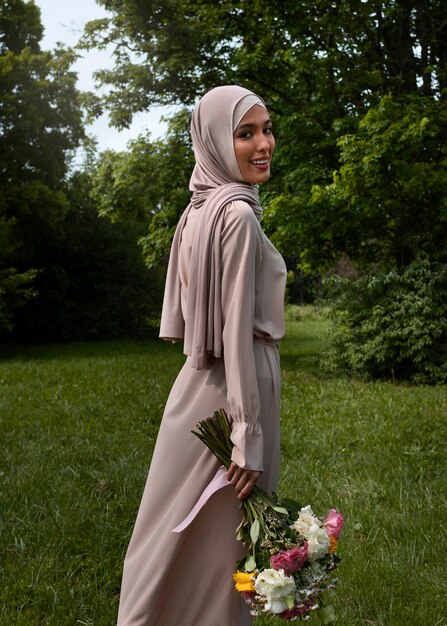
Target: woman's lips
(261,164)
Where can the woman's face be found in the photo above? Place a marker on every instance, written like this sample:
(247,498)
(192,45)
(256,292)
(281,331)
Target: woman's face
(254,144)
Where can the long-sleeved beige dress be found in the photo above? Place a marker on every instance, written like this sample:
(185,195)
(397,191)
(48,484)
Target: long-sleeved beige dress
(186,579)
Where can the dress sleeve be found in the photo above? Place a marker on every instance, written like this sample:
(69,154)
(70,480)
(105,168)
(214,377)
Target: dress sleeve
(241,258)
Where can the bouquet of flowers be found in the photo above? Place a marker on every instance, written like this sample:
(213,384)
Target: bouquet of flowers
(290,557)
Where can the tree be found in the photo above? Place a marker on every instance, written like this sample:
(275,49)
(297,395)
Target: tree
(333,52)
(40,117)
(320,67)
(40,127)
(357,92)
(388,197)
(390,324)
(148,185)
(94,283)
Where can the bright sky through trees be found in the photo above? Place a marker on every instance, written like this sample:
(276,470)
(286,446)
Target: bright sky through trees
(63,21)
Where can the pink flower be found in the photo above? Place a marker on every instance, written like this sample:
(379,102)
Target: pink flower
(249,596)
(333,523)
(290,561)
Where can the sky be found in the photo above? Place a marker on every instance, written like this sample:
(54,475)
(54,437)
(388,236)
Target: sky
(63,21)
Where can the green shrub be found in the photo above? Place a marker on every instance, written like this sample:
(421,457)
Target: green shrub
(390,324)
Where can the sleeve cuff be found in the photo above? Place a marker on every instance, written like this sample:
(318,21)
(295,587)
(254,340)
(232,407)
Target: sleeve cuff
(248,445)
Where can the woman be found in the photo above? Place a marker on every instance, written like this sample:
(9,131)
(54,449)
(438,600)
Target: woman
(224,299)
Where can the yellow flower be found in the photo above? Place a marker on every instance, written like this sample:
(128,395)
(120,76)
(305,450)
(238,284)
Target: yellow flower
(244,581)
(333,545)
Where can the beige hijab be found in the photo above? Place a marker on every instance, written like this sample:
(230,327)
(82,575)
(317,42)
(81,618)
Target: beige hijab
(215,182)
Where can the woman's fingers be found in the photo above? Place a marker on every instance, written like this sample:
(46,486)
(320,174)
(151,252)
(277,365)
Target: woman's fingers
(231,471)
(245,487)
(242,480)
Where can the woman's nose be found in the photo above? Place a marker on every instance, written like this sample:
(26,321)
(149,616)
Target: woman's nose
(263,143)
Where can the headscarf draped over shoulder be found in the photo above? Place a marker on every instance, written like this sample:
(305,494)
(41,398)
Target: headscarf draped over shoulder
(215,182)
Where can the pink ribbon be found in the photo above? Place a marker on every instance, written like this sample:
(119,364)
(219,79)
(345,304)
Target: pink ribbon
(218,482)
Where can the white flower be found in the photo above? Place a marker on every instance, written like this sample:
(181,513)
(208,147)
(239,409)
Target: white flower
(306,521)
(277,588)
(317,544)
(312,529)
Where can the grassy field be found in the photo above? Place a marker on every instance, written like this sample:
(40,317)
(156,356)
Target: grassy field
(77,427)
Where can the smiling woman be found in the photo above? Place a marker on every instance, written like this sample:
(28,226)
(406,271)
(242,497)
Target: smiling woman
(224,299)
(254,145)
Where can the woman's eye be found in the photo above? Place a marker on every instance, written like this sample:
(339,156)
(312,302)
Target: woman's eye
(248,134)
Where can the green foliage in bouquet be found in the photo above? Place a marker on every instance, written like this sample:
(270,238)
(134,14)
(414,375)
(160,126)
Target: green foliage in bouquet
(263,515)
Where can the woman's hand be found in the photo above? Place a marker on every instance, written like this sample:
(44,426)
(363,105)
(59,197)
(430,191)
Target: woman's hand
(242,480)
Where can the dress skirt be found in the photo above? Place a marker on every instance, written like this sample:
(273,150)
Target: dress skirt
(185,579)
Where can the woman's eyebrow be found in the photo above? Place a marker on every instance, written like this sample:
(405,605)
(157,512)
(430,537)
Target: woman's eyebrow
(251,124)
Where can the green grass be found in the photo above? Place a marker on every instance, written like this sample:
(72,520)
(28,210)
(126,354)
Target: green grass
(77,427)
